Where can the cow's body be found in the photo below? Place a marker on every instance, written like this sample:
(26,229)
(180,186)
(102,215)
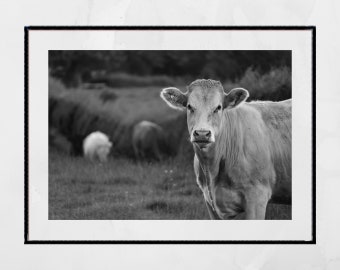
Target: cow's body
(253,155)
(148,140)
(97,146)
(242,150)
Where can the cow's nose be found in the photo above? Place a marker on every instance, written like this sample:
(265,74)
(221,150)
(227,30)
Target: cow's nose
(202,134)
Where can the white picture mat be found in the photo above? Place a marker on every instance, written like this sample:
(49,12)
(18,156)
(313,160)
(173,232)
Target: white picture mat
(40,228)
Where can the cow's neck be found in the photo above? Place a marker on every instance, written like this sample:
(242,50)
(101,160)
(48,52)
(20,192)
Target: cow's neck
(226,148)
(209,160)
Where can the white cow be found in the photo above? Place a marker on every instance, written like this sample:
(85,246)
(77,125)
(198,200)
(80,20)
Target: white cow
(242,150)
(97,146)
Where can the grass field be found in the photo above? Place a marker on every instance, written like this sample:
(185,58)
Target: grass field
(124,189)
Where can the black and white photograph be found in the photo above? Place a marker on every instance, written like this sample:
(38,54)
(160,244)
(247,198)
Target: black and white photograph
(169,135)
(191,134)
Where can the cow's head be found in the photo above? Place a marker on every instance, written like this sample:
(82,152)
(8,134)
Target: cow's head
(204,102)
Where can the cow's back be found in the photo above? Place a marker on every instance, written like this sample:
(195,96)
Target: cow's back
(277,117)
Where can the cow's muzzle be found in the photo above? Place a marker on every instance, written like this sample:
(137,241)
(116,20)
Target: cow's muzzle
(202,137)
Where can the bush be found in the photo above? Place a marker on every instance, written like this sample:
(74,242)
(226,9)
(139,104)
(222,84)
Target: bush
(108,96)
(76,67)
(58,141)
(274,85)
(129,80)
(55,85)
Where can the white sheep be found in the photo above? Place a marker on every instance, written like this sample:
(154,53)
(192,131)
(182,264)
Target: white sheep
(97,146)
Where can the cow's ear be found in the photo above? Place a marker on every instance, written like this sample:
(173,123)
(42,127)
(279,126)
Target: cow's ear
(234,98)
(174,98)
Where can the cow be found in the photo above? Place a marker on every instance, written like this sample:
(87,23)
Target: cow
(242,149)
(97,146)
(148,141)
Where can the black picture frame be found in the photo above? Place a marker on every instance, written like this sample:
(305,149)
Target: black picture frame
(29,29)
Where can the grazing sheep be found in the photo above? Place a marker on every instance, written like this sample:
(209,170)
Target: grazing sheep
(97,146)
(148,140)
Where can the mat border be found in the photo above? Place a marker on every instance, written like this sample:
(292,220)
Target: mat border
(27,29)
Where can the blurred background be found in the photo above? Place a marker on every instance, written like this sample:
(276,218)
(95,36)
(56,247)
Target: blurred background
(113,91)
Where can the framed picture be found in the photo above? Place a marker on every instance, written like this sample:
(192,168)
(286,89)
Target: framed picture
(170,135)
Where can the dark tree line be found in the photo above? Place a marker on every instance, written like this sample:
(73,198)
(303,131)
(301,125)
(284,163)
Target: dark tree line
(73,67)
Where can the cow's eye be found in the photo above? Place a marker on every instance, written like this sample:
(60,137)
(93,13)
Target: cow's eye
(219,107)
(190,108)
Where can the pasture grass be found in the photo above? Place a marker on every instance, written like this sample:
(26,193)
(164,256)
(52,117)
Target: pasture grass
(125,190)
(121,189)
